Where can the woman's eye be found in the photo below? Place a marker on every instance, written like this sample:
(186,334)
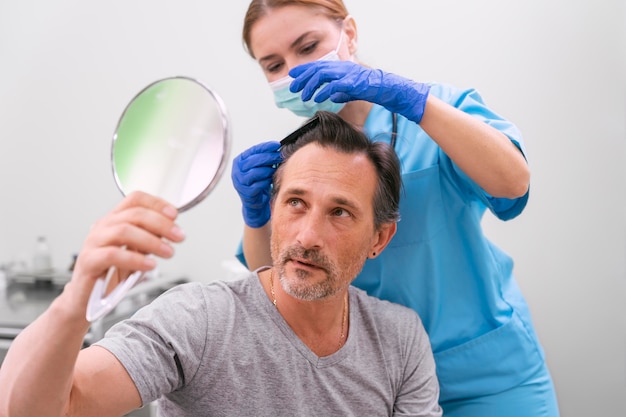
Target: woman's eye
(274,67)
(309,48)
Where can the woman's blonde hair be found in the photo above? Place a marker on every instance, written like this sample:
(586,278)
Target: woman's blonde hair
(334,9)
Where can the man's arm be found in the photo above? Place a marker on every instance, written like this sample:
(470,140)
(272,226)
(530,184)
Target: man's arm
(419,393)
(45,373)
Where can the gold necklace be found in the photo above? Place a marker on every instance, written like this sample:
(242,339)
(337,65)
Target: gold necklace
(342,336)
(272,287)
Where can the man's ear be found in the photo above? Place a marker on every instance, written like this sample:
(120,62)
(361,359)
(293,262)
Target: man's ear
(384,235)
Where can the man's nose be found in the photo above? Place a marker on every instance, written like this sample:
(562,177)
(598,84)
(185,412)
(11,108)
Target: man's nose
(311,230)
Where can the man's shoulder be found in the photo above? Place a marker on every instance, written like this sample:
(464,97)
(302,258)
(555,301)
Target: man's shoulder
(391,325)
(383,309)
(210,291)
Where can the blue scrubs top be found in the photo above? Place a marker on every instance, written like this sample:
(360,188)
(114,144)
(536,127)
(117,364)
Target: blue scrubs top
(440,264)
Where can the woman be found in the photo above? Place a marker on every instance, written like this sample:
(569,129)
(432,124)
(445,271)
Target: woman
(458,159)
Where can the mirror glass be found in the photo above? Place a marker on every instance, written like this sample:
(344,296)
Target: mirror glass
(171,141)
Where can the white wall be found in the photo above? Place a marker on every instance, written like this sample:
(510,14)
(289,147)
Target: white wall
(557,68)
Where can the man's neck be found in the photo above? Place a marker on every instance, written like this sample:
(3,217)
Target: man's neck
(322,325)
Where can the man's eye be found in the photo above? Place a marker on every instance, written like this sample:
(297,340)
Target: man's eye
(294,202)
(339,212)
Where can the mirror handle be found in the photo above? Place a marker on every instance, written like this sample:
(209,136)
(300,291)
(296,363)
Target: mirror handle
(99,305)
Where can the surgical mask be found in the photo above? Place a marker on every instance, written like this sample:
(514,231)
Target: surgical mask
(293,101)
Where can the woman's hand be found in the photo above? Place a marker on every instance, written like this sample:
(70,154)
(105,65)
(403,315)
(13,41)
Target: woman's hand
(252,174)
(344,81)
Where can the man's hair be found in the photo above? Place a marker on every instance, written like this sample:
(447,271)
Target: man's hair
(328,130)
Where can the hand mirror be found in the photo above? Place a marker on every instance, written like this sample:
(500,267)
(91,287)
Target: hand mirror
(171,141)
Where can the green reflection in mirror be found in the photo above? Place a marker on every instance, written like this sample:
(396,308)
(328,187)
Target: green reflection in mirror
(171,141)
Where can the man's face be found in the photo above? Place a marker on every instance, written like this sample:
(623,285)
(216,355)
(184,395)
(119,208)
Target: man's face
(323,221)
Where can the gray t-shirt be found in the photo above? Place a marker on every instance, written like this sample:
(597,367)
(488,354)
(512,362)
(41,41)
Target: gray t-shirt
(223,349)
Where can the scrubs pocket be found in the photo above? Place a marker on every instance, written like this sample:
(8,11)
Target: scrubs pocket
(491,363)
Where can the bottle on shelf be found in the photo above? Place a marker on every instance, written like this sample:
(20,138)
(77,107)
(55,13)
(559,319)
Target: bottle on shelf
(42,260)
(73,264)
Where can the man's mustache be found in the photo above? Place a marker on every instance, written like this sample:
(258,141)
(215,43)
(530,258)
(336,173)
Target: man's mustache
(312,256)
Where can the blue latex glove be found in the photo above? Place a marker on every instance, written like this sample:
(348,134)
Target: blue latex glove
(252,173)
(349,81)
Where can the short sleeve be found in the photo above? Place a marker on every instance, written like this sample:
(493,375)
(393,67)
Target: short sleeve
(161,346)
(471,102)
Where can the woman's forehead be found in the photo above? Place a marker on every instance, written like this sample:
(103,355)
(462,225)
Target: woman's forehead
(282,26)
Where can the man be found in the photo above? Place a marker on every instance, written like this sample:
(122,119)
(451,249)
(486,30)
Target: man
(291,339)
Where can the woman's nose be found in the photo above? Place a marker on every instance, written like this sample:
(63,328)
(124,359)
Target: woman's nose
(292,63)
